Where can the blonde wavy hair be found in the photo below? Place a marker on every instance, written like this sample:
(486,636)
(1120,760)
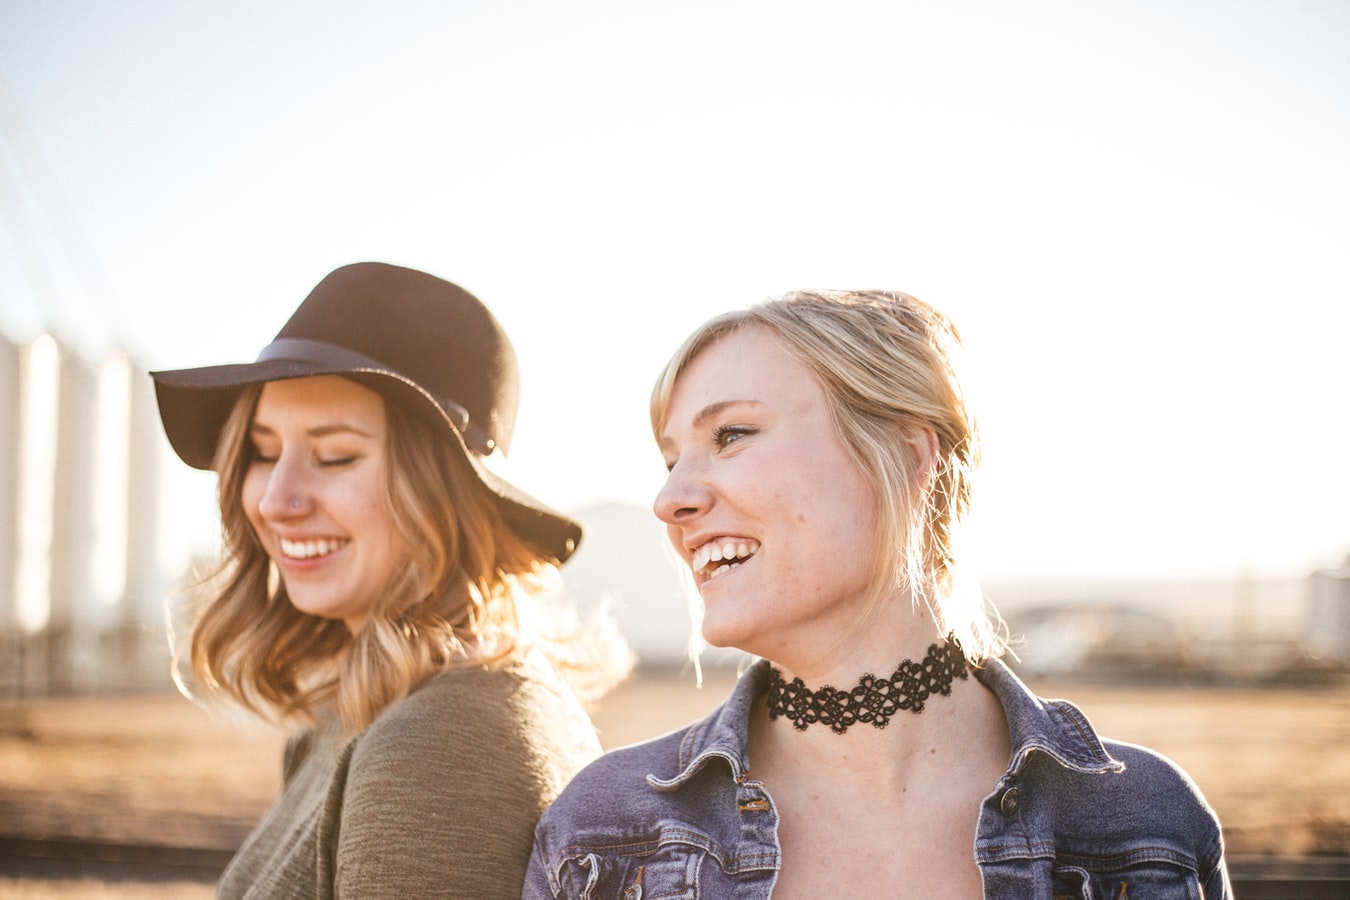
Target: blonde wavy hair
(888,363)
(471,593)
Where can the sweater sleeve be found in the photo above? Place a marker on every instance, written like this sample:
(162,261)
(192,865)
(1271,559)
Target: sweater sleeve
(443,791)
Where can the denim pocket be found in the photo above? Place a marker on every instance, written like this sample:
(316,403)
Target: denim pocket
(1145,881)
(665,872)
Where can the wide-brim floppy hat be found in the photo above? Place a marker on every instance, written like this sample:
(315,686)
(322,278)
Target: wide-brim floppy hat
(419,341)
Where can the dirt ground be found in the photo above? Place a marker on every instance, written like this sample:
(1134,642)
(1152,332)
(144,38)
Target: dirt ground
(155,770)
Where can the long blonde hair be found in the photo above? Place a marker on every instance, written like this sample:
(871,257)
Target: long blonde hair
(472,593)
(888,364)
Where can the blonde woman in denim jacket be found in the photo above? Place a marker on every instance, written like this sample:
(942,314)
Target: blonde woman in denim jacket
(820,454)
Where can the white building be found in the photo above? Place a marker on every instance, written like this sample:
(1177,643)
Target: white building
(1328,621)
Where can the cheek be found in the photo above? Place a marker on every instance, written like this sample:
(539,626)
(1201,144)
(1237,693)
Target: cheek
(250,496)
(389,554)
(371,506)
(366,504)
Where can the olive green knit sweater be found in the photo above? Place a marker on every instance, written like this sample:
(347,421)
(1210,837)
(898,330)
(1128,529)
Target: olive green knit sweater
(437,798)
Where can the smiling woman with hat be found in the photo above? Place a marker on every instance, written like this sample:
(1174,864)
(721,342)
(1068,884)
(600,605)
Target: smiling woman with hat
(385,594)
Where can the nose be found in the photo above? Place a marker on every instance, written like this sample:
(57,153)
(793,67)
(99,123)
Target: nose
(286,492)
(684,497)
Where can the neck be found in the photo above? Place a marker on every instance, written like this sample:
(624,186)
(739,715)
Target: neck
(898,632)
(875,699)
(888,759)
(838,652)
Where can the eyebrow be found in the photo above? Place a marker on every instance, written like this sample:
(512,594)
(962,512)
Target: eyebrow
(707,414)
(317,431)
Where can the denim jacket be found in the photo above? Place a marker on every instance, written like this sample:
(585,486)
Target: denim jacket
(1073,815)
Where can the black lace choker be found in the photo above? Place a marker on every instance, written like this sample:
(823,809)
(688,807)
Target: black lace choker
(874,700)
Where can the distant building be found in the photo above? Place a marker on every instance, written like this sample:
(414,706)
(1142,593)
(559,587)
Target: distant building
(84,571)
(625,564)
(1328,620)
(1099,639)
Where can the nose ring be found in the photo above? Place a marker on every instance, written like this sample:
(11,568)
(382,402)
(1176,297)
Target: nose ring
(295,503)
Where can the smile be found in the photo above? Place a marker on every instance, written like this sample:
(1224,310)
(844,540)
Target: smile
(310,549)
(721,556)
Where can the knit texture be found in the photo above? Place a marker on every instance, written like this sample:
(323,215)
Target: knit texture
(437,798)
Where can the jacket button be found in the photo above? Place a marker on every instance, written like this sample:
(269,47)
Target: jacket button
(1010,802)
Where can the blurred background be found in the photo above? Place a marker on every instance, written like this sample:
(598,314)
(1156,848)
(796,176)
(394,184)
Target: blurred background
(1137,214)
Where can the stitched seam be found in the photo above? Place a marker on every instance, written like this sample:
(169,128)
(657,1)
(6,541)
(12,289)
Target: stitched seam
(1136,856)
(1023,850)
(1080,724)
(689,771)
(742,862)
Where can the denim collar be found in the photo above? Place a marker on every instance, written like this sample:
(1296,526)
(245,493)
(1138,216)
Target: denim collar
(1054,727)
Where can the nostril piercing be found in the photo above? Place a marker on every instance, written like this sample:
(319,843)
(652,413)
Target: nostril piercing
(295,503)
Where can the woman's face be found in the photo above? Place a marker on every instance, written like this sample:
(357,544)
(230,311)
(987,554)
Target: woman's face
(763,501)
(315,494)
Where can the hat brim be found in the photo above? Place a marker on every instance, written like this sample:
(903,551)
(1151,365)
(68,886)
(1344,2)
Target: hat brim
(194,405)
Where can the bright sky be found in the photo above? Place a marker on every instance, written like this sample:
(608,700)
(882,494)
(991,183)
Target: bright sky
(1137,213)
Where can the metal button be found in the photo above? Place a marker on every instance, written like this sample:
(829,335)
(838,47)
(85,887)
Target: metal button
(634,890)
(1010,802)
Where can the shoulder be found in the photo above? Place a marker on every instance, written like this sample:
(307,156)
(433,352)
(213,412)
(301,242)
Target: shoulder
(1150,774)
(613,816)
(1149,799)
(473,697)
(454,777)
(660,757)
(612,786)
(668,782)
(1088,788)
(479,717)
(662,813)
(1143,822)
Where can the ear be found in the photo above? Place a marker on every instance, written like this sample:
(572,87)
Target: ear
(923,444)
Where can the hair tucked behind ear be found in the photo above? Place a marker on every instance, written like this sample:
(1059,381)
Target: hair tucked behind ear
(472,593)
(888,363)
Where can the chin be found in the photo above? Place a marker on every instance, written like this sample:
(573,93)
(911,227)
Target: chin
(317,610)
(727,634)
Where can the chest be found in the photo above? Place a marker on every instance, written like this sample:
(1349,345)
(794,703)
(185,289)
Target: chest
(860,847)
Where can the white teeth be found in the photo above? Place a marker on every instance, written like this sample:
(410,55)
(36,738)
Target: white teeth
(722,569)
(730,552)
(309,549)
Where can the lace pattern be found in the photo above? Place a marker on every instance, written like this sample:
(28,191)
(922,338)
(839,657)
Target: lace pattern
(874,700)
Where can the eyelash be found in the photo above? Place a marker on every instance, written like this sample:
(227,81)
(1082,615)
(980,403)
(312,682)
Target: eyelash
(723,436)
(323,463)
(336,463)
(722,433)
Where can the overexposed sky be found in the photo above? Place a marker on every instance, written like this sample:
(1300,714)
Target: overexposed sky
(1137,213)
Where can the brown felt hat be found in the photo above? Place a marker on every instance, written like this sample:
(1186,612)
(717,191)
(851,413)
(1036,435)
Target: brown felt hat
(422,342)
